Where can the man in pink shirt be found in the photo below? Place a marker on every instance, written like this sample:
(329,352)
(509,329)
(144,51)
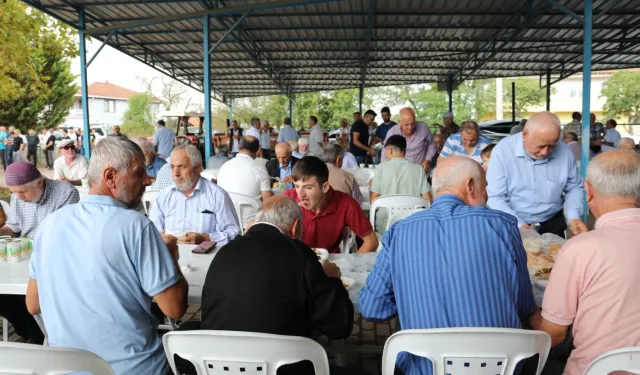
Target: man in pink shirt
(594,283)
(420,145)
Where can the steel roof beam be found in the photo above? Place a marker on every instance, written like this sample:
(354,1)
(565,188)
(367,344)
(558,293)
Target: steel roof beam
(365,59)
(229,31)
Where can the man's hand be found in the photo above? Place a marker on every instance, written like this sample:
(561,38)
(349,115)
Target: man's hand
(172,245)
(287,179)
(192,238)
(526,226)
(62,179)
(426,165)
(373,152)
(576,226)
(331,270)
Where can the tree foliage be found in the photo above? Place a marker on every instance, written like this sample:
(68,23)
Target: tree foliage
(137,119)
(528,94)
(36,85)
(622,94)
(171,92)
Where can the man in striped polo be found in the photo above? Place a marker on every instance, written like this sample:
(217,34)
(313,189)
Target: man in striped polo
(457,264)
(468,142)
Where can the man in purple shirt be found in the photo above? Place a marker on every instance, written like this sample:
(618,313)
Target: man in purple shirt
(420,146)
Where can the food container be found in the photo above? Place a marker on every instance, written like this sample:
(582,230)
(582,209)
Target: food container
(14,250)
(3,250)
(26,246)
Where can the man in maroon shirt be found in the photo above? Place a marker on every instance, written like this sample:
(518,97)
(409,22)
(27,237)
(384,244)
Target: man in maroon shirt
(327,212)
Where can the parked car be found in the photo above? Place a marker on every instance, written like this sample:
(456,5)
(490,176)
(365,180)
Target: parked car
(636,138)
(496,130)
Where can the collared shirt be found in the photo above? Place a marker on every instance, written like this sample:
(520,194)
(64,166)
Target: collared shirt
(316,139)
(288,133)
(254,133)
(597,130)
(531,190)
(164,178)
(243,175)
(594,286)
(208,210)
(297,155)
(98,265)
(349,161)
(24,217)
(455,147)
(573,126)
(383,129)
(433,274)
(341,179)
(76,171)
(324,230)
(612,136)
(265,139)
(156,164)
(420,146)
(164,138)
(284,172)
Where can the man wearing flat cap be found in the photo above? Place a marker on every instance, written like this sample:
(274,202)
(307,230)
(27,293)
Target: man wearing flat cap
(70,166)
(34,198)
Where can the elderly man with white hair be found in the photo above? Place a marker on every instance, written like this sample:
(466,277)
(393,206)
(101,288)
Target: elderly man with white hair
(97,266)
(194,209)
(627,144)
(420,145)
(70,166)
(303,148)
(153,161)
(533,177)
(594,283)
(476,277)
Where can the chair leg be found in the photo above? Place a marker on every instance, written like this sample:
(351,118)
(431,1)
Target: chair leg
(5,330)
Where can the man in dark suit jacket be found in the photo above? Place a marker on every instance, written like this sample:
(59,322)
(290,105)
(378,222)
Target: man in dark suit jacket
(283,162)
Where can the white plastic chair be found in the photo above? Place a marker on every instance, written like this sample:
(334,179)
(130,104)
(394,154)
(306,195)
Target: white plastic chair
(5,207)
(467,351)
(16,358)
(244,205)
(395,204)
(348,243)
(402,215)
(147,200)
(241,353)
(624,359)
(210,174)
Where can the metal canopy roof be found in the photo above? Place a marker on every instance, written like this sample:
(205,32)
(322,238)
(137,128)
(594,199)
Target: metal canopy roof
(327,45)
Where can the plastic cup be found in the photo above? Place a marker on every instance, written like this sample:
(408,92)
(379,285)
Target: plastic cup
(85,182)
(357,263)
(370,261)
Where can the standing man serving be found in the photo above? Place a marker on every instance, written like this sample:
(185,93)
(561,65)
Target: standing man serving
(164,138)
(359,139)
(529,173)
(420,145)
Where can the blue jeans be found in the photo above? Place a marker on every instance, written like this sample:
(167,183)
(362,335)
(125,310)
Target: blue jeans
(361,159)
(8,155)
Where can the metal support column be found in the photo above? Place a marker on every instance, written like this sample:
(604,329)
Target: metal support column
(360,95)
(86,144)
(230,108)
(450,93)
(513,101)
(548,90)
(291,109)
(586,92)
(206,88)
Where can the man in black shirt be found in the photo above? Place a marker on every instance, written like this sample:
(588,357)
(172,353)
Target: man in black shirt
(49,147)
(359,142)
(32,147)
(18,146)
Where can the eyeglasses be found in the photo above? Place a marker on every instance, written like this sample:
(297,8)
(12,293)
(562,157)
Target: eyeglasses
(69,147)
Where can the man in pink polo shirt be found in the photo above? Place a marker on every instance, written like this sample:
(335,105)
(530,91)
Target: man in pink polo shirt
(594,283)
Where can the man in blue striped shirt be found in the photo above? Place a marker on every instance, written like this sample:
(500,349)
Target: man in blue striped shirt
(457,264)
(468,142)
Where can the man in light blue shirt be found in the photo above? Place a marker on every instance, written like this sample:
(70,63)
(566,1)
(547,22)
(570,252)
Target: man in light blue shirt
(193,208)
(528,175)
(468,142)
(287,133)
(164,138)
(97,265)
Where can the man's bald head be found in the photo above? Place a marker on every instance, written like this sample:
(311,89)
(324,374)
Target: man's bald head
(613,181)
(283,153)
(541,134)
(462,177)
(627,144)
(407,121)
(293,144)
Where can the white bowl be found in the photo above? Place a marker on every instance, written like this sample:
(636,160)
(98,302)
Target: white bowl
(323,254)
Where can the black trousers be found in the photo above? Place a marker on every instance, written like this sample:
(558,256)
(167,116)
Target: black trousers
(556,225)
(33,153)
(14,309)
(266,153)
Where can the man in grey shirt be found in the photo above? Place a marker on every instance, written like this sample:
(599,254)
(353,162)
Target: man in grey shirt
(316,138)
(164,138)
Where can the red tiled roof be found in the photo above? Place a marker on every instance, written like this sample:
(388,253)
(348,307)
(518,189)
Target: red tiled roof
(109,90)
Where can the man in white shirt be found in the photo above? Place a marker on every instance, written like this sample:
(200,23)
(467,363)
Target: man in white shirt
(254,131)
(70,166)
(265,140)
(242,175)
(611,137)
(316,138)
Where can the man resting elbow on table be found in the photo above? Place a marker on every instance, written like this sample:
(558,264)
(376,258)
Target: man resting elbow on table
(326,212)
(194,208)
(97,265)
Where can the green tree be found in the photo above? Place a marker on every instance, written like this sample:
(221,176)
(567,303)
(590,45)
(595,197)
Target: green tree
(36,86)
(622,94)
(137,119)
(528,94)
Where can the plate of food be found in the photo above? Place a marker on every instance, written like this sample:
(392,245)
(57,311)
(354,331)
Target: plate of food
(347,282)
(322,254)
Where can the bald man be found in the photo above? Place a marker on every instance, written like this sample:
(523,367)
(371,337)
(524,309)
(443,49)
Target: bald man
(420,145)
(627,144)
(533,177)
(282,165)
(486,260)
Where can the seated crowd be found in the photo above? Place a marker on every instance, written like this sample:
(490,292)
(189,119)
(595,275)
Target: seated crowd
(102,274)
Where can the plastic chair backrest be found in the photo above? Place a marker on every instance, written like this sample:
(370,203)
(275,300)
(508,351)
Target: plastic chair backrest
(395,204)
(147,199)
(5,207)
(17,358)
(242,353)
(348,243)
(467,351)
(244,204)
(210,174)
(402,215)
(624,359)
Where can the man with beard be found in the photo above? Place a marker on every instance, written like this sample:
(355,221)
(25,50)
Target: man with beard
(194,208)
(97,265)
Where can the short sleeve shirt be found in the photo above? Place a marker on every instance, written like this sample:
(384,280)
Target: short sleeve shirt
(612,136)
(3,136)
(17,142)
(363,136)
(316,138)
(243,175)
(76,171)
(382,130)
(324,230)
(254,133)
(98,265)
(164,138)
